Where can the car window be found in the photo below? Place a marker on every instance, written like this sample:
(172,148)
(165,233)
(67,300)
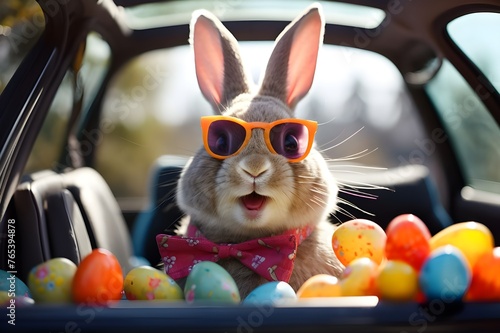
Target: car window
(51,139)
(473,132)
(477,36)
(155,14)
(21,24)
(153,104)
(471,129)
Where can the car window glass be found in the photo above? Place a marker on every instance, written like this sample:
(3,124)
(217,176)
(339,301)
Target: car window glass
(50,141)
(153,104)
(21,24)
(155,14)
(472,130)
(477,36)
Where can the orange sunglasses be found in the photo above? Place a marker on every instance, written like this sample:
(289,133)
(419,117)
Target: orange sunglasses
(224,136)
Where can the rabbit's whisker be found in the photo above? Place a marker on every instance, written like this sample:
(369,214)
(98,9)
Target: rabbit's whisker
(330,142)
(363,185)
(345,212)
(336,217)
(343,141)
(360,154)
(359,194)
(350,204)
(168,184)
(333,167)
(328,121)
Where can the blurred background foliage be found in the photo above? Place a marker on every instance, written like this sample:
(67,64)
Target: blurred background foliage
(21,24)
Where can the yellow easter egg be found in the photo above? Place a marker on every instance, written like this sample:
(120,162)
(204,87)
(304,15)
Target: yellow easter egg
(397,281)
(51,281)
(4,297)
(321,285)
(358,278)
(148,283)
(358,239)
(473,239)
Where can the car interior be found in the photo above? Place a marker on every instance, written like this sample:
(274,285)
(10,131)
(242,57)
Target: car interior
(73,108)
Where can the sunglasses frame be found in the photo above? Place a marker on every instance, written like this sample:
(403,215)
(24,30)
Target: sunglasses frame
(206,121)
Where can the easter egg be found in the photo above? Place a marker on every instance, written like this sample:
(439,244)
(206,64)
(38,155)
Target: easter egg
(358,278)
(472,238)
(50,281)
(14,302)
(357,239)
(408,240)
(4,297)
(485,285)
(12,284)
(397,280)
(274,292)
(445,275)
(98,279)
(321,285)
(148,283)
(23,301)
(208,281)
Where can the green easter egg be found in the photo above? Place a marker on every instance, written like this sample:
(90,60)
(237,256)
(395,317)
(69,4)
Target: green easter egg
(208,281)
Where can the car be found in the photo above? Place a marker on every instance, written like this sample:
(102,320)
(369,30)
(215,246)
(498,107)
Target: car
(99,113)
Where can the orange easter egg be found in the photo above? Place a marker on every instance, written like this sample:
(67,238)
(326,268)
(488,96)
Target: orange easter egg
(408,240)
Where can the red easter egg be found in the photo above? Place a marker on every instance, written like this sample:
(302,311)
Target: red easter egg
(408,240)
(98,279)
(485,285)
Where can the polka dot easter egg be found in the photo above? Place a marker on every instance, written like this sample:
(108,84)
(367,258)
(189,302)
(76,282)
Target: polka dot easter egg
(148,283)
(51,281)
(357,239)
(208,281)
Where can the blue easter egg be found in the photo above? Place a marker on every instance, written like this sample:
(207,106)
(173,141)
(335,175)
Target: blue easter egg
(12,284)
(445,275)
(271,293)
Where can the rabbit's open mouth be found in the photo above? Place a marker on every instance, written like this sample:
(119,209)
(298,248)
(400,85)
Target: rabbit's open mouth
(253,201)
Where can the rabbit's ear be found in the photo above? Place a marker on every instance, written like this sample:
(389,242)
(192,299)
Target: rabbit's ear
(219,69)
(290,70)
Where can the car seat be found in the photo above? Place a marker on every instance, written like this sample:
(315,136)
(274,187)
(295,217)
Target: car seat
(67,215)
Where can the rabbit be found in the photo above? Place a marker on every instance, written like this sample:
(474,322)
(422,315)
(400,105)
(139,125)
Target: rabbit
(290,194)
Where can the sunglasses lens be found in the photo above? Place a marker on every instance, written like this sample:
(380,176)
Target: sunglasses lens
(290,139)
(225,137)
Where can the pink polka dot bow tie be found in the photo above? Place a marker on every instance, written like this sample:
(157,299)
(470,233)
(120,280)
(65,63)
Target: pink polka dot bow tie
(271,257)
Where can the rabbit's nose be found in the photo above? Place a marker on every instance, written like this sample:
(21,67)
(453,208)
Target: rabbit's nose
(255,167)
